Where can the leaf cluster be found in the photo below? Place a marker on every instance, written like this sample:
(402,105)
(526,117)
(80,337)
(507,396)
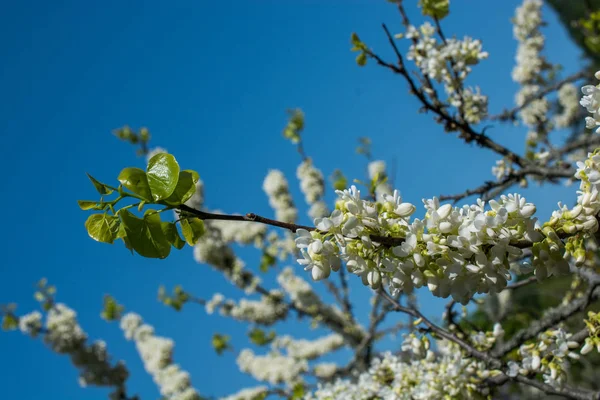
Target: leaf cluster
(162,184)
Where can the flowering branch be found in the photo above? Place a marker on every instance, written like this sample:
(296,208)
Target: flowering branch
(468,134)
(551,318)
(511,115)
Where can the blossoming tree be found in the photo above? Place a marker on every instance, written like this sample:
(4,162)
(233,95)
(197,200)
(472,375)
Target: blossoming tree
(488,247)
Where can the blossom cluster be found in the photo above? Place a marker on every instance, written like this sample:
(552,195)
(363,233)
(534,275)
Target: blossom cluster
(568,98)
(449,62)
(276,187)
(280,247)
(530,69)
(248,394)
(63,335)
(306,300)
(274,367)
(576,222)
(157,354)
(548,356)
(325,370)
(591,101)
(501,169)
(266,311)
(309,349)
(419,375)
(240,232)
(213,250)
(288,358)
(453,251)
(593,339)
(312,185)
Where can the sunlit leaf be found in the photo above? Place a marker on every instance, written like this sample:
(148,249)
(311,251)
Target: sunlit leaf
(89,205)
(136,180)
(192,229)
(260,337)
(186,187)
(102,227)
(9,322)
(361,59)
(100,187)
(163,174)
(220,343)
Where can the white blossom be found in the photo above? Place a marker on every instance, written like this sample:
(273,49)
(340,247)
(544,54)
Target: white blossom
(31,323)
(63,335)
(312,185)
(309,349)
(273,368)
(276,187)
(568,98)
(447,374)
(157,354)
(248,393)
(266,311)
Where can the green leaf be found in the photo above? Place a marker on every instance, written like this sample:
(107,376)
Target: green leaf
(89,205)
(145,235)
(102,227)
(361,59)
(260,338)
(186,187)
(298,391)
(220,343)
(340,182)
(9,322)
(112,310)
(435,8)
(123,236)
(163,173)
(172,234)
(136,180)
(192,229)
(100,187)
(266,261)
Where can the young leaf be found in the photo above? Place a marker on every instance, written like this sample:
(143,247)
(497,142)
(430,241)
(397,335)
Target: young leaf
(89,205)
(145,235)
(172,234)
(102,227)
(361,59)
(123,236)
(298,391)
(100,187)
(163,174)
(260,337)
(9,322)
(266,261)
(220,343)
(192,229)
(112,310)
(136,180)
(186,187)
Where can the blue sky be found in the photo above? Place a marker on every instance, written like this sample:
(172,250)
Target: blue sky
(212,81)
